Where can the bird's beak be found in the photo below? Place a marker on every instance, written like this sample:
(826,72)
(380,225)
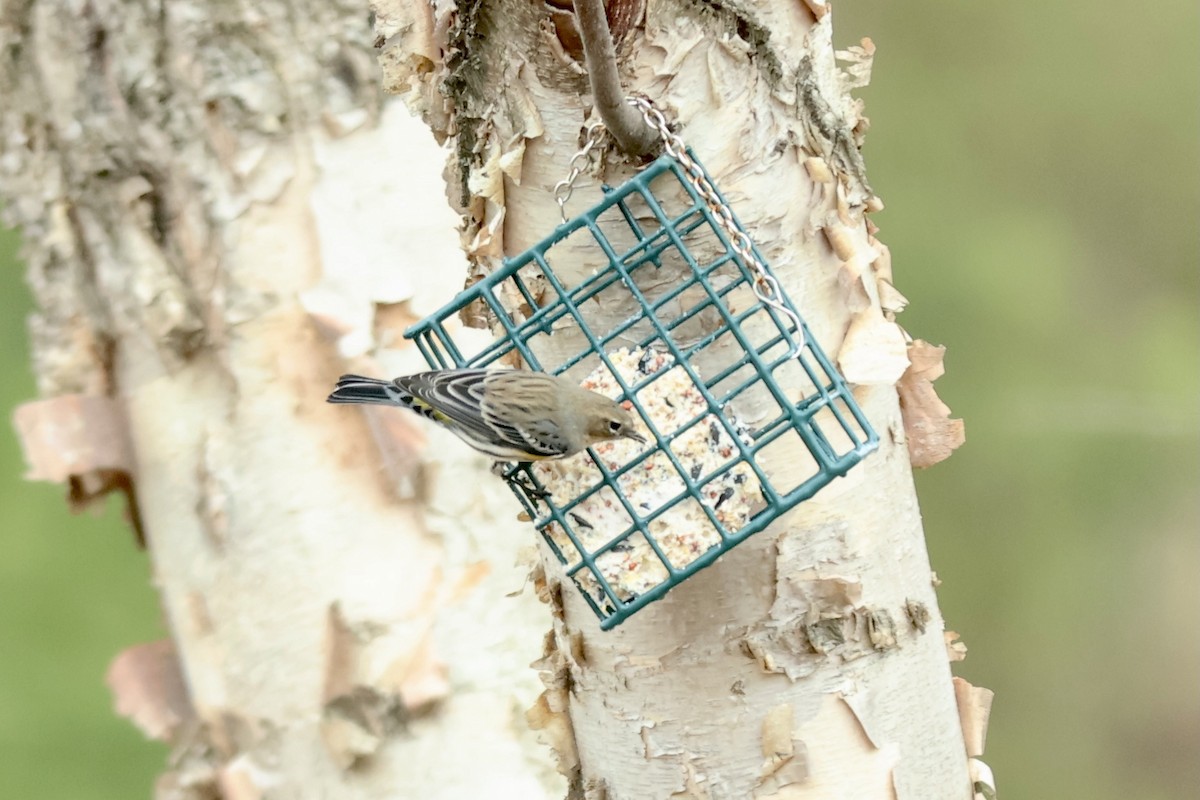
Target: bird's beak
(637,437)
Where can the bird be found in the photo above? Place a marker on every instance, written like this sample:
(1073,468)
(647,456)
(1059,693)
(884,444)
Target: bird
(506,414)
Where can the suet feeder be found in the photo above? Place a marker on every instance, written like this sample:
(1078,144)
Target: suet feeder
(745,416)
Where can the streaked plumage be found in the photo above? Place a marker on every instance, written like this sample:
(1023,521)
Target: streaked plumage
(509,415)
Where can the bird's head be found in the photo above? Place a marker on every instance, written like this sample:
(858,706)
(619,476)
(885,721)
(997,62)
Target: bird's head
(608,421)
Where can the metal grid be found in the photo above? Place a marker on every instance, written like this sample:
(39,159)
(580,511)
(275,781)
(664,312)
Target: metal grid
(709,305)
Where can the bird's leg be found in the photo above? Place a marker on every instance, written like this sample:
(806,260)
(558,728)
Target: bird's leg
(519,475)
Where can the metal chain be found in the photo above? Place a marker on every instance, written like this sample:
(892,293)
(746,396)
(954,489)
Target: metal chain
(579,162)
(766,287)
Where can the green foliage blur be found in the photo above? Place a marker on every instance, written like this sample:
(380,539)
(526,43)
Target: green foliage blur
(1040,167)
(1040,163)
(74,590)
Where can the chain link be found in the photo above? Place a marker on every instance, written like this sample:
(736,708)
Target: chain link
(765,286)
(579,162)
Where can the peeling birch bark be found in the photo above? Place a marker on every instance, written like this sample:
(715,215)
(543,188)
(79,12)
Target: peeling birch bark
(808,662)
(220,215)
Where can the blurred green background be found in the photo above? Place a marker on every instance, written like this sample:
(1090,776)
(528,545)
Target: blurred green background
(74,590)
(1041,169)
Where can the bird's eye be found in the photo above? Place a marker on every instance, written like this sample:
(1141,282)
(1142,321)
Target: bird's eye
(614,426)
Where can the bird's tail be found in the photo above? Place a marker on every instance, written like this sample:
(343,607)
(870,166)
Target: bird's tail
(361,389)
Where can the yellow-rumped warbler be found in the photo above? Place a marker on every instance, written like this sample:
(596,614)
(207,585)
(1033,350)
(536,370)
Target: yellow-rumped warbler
(508,414)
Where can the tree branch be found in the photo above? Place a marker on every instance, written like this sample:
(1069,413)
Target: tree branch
(632,135)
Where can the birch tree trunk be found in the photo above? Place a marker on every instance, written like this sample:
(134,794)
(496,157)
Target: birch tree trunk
(220,216)
(810,661)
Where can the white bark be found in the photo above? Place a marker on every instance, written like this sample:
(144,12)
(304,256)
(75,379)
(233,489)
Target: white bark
(809,662)
(219,218)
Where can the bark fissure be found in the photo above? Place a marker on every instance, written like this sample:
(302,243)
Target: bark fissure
(735,19)
(464,83)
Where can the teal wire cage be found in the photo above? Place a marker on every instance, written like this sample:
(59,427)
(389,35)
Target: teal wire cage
(668,304)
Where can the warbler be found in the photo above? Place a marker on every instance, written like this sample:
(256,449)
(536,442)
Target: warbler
(509,415)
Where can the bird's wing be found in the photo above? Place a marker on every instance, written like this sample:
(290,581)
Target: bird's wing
(451,397)
(455,398)
(539,437)
(507,407)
